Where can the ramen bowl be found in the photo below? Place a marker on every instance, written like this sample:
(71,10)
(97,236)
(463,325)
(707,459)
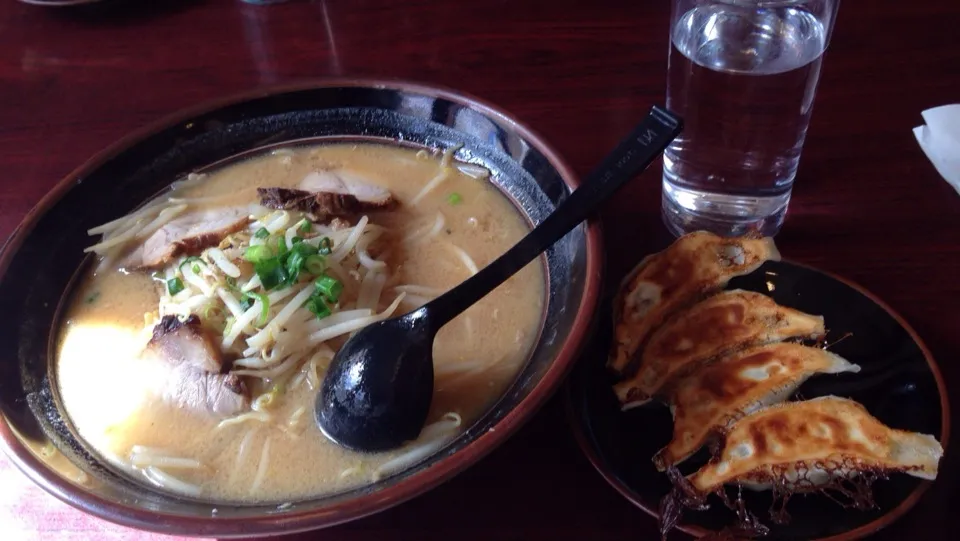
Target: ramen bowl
(40,262)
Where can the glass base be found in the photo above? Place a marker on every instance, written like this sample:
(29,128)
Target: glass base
(685,210)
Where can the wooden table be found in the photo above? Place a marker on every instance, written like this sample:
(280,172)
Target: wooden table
(867,204)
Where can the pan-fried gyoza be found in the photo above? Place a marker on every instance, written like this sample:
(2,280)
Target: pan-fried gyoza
(693,266)
(721,324)
(804,445)
(727,363)
(711,399)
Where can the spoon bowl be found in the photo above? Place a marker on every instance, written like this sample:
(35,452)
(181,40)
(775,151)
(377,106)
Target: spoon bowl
(369,405)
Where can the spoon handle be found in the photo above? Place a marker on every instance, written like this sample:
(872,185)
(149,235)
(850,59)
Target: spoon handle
(632,155)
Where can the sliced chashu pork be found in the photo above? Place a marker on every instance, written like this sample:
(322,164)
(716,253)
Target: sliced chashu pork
(186,343)
(220,395)
(188,234)
(192,366)
(321,204)
(327,194)
(344,183)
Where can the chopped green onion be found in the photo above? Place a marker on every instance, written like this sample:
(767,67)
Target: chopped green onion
(264,306)
(195,260)
(295,261)
(282,267)
(296,258)
(331,288)
(296,240)
(256,254)
(326,246)
(303,248)
(315,264)
(174,286)
(271,272)
(262,233)
(317,307)
(305,226)
(281,246)
(454,198)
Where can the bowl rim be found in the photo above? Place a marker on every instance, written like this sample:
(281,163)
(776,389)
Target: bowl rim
(371,502)
(607,472)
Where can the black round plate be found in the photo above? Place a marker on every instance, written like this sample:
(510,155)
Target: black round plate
(899,384)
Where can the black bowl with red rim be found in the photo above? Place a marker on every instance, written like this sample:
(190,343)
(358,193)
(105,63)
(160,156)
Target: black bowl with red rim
(40,259)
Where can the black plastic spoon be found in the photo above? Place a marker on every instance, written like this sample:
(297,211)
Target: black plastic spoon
(377,392)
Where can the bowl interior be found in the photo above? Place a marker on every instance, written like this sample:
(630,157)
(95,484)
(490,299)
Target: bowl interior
(44,254)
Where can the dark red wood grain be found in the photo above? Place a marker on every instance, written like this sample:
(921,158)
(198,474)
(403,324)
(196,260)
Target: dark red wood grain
(867,204)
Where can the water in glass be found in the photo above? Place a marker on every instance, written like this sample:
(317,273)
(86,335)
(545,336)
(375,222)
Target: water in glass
(743,76)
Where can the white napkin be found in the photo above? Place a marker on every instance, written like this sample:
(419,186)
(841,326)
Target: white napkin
(940,140)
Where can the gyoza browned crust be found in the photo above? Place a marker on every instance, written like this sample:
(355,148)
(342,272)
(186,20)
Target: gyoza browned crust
(695,265)
(711,399)
(802,445)
(719,325)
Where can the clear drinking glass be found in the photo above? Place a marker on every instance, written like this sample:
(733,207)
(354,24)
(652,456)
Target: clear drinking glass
(742,74)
